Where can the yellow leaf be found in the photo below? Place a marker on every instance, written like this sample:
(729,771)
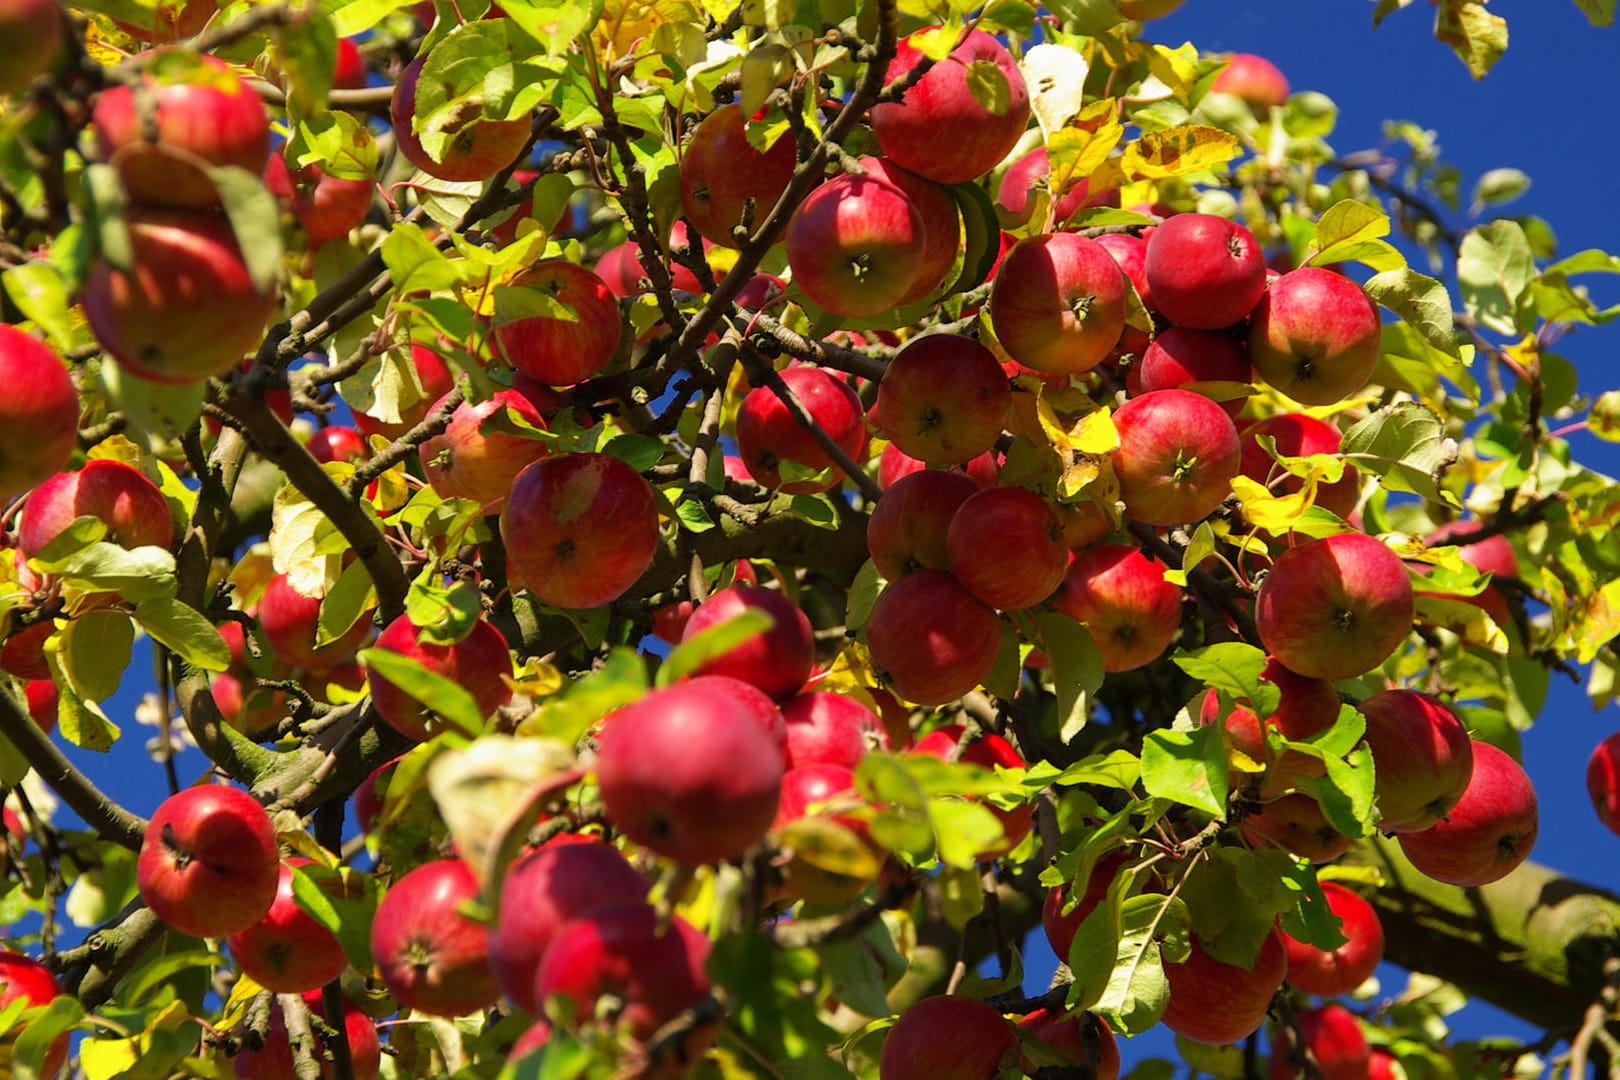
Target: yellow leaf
(1598,622)
(1079,150)
(1176,68)
(1468,621)
(1274,513)
(536,678)
(116,448)
(1178,151)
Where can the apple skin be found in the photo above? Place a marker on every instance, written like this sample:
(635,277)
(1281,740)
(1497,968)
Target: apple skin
(908,527)
(1334,1040)
(562,879)
(1060,928)
(1315,336)
(561,351)
(579,529)
(289,620)
(809,786)
(948,1037)
(1021,177)
(476,663)
(1493,555)
(134,510)
(910,132)
(202,118)
(1381,1065)
(941,220)
(1133,613)
(1058,303)
(431,957)
(1488,833)
(894,464)
(26,978)
(1215,1002)
(1205,272)
(208,865)
(466,463)
(689,772)
(621,949)
(1295,823)
(1298,435)
(436,381)
(1332,972)
(1178,357)
(1068,1034)
(187,310)
(275,1060)
(1130,252)
(853,244)
(1178,452)
(830,729)
(1005,546)
(30,42)
(1422,756)
(777,661)
(931,638)
(326,206)
(39,413)
(478,149)
(1336,607)
(767,433)
(337,443)
(1603,781)
(43,699)
(349,69)
(23,654)
(943,399)
(287,950)
(720,172)
(1254,79)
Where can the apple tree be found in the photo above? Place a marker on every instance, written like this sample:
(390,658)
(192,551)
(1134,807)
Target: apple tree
(684,538)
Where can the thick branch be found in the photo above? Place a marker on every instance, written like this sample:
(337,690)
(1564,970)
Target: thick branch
(99,812)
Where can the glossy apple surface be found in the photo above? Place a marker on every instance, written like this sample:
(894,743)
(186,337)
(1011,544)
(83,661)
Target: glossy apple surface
(39,413)
(768,435)
(433,958)
(931,638)
(1331,972)
(1336,607)
(777,661)
(1178,452)
(948,1037)
(478,148)
(1058,303)
(1206,272)
(1488,833)
(134,510)
(853,244)
(1315,336)
(721,173)
(1214,1002)
(1422,758)
(208,864)
(1122,597)
(476,663)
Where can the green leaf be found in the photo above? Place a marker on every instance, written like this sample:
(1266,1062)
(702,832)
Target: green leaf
(1407,362)
(868,583)
(135,574)
(159,973)
(711,643)
(619,679)
(336,141)
(1406,447)
(158,414)
(1077,670)
(1346,792)
(961,897)
(1493,270)
(351,598)
(1234,897)
(693,516)
(1310,919)
(449,699)
(352,16)
(1134,993)
(104,195)
(255,221)
(989,87)
(39,292)
(963,828)
(79,535)
(818,510)
(184,631)
(904,823)
(1477,37)
(414,261)
(640,452)
(1422,301)
(28,1054)
(95,651)
(1235,667)
(343,900)
(1499,186)
(80,722)
(1348,230)
(1188,767)
(102,889)
(1597,12)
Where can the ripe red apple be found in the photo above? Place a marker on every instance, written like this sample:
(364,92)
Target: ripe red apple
(948,1037)
(1196,360)
(202,115)
(720,172)
(1058,303)
(624,952)
(1060,928)
(1493,555)
(1178,452)
(579,529)
(1298,435)
(1334,1040)
(1296,824)
(287,950)
(39,413)
(1214,1002)
(274,1061)
(908,526)
(1488,833)
(1082,1039)
(1130,252)
(939,129)
(465,462)
(337,443)
(1206,272)
(689,772)
(349,69)
(561,880)
(478,148)
(1005,546)
(1121,594)
(830,729)
(853,244)
(941,222)
(1603,781)
(249,709)
(1021,177)
(31,34)
(1336,607)
(669,620)
(23,654)
(1306,707)
(433,958)
(1422,756)
(777,661)
(1331,972)
(767,433)
(26,978)
(807,791)
(436,380)
(943,399)
(42,700)
(208,864)
(1254,79)
(896,463)
(1381,1065)
(187,309)
(1314,336)
(134,510)
(987,751)
(290,621)
(326,206)
(559,350)
(931,639)
(370,796)
(476,663)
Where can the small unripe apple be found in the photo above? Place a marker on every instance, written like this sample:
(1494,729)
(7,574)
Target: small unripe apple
(208,865)
(39,413)
(433,958)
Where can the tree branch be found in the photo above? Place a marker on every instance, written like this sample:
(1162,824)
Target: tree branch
(99,811)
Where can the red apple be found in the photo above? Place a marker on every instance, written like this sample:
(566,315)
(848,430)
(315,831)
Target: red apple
(187,309)
(26,978)
(939,129)
(31,34)
(941,220)
(1214,1002)
(326,206)
(337,443)
(39,413)
(818,792)
(908,526)
(1381,1065)
(1314,336)
(274,1061)
(579,529)
(852,245)
(1058,303)
(202,115)
(1422,756)
(777,661)
(436,380)
(1488,833)
(208,864)
(1060,928)
(476,663)
(23,654)
(1335,1043)
(1082,1040)
(1195,360)
(249,709)
(1296,824)
(1021,178)
(987,751)
(131,506)
(561,880)
(349,69)
(1603,781)
(478,148)
(689,772)
(42,700)
(943,399)
(562,349)
(948,1037)
(669,620)
(287,950)
(830,729)
(1331,972)
(721,172)
(290,621)
(1006,547)
(1205,272)
(931,639)
(1254,79)
(1178,452)
(1121,595)
(372,793)
(433,958)
(1493,555)
(1130,252)
(465,462)
(895,463)
(767,433)
(1298,435)
(1336,607)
